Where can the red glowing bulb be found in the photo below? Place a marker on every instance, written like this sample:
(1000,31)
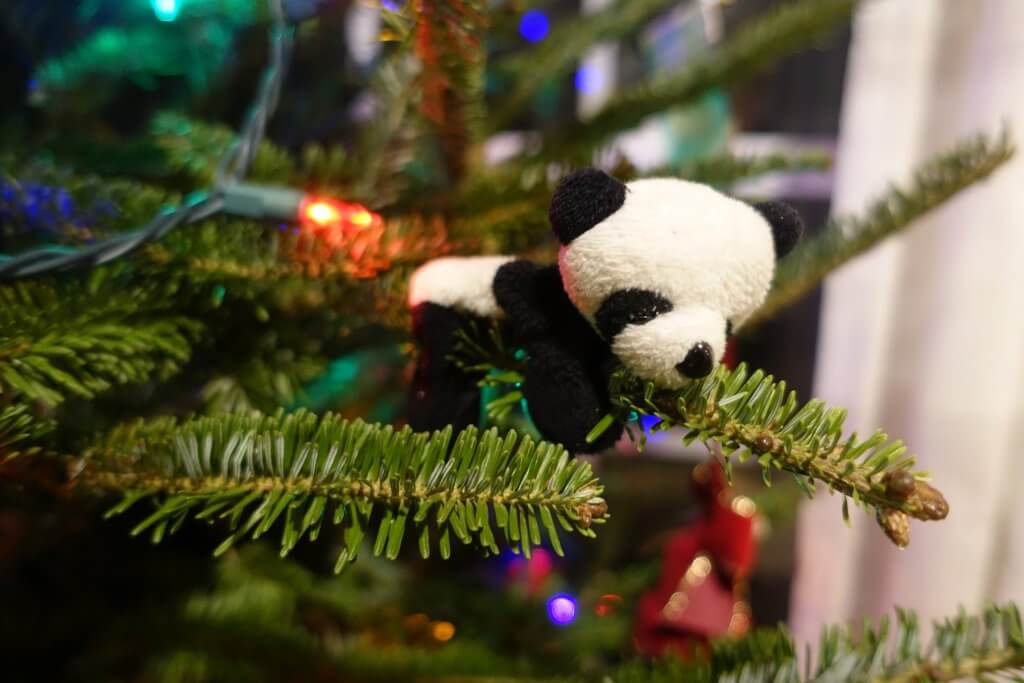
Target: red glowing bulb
(321,213)
(362,218)
(328,213)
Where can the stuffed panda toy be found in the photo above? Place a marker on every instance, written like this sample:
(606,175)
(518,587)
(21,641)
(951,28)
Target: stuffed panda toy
(653,274)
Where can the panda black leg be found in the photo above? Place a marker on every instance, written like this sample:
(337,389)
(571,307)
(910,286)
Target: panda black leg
(442,393)
(566,398)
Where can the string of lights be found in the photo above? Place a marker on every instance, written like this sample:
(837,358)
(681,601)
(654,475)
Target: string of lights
(228,195)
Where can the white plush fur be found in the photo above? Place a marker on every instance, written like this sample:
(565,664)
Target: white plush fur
(703,251)
(462,283)
(653,349)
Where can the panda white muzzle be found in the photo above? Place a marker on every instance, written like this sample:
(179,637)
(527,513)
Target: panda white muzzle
(674,347)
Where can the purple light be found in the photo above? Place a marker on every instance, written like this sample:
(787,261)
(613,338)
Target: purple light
(562,609)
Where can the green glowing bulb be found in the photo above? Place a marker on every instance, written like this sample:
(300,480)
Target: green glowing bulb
(166,10)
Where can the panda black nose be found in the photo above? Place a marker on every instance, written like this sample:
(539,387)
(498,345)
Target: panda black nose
(698,363)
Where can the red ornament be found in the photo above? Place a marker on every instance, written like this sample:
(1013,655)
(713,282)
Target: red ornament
(703,574)
(532,572)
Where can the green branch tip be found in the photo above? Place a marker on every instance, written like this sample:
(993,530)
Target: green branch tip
(754,416)
(973,647)
(936,181)
(20,431)
(374,481)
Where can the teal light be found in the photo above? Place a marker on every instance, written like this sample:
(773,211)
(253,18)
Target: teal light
(166,10)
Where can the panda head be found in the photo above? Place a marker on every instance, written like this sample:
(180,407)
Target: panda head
(666,269)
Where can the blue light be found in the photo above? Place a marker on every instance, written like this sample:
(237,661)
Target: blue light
(562,609)
(648,422)
(166,10)
(589,79)
(534,26)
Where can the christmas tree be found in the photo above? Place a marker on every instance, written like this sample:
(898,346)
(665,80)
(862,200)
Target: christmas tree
(204,342)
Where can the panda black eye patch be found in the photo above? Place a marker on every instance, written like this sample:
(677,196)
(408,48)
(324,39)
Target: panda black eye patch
(629,307)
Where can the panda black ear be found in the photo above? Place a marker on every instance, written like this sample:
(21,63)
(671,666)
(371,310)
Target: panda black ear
(787,226)
(583,199)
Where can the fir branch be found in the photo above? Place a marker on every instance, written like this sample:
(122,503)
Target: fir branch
(386,143)
(845,238)
(989,644)
(264,382)
(449,44)
(20,431)
(757,416)
(85,339)
(727,169)
(753,414)
(381,483)
(754,49)
(195,148)
(48,202)
(529,70)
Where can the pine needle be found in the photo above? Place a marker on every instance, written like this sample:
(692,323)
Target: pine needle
(20,431)
(375,482)
(84,339)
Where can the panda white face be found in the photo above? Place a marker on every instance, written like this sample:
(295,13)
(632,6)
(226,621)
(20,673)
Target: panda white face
(670,272)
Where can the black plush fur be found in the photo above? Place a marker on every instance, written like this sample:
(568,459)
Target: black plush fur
(568,365)
(787,226)
(442,393)
(629,307)
(583,199)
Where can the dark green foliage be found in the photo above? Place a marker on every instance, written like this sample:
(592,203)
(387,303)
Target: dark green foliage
(935,182)
(556,55)
(18,429)
(727,169)
(964,647)
(57,340)
(139,51)
(262,383)
(750,51)
(194,150)
(103,204)
(377,482)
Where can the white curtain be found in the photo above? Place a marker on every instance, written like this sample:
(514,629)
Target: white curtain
(924,336)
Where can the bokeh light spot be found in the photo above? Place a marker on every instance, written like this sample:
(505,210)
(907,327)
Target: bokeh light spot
(562,609)
(166,10)
(443,631)
(533,26)
(589,79)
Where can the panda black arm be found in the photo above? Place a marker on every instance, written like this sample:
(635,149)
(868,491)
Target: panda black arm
(567,397)
(567,365)
(528,294)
